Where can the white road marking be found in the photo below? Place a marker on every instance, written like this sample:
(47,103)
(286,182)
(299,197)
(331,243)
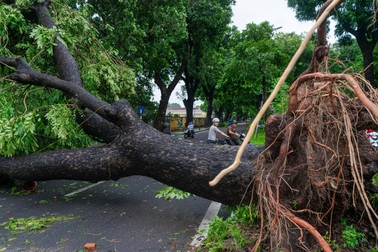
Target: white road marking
(204,226)
(83,189)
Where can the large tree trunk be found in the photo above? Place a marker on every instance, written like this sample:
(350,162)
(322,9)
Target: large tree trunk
(142,150)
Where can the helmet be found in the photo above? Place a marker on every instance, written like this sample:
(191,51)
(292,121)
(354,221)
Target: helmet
(215,120)
(234,121)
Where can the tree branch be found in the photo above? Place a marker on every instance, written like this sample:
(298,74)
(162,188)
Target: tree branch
(25,74)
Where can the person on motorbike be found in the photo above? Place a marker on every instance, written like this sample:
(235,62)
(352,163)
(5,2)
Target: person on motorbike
(234,136)
(212,137)
(191,129)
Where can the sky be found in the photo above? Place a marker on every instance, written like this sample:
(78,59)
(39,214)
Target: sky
(275,12)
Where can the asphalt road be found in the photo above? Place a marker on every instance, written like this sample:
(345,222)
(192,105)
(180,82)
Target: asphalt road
(117,216)
(121,216)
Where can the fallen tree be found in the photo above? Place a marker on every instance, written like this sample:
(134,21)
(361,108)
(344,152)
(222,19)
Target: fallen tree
(316,167)
(131,147)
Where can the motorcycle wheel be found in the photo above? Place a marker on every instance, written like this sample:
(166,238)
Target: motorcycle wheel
(185,136)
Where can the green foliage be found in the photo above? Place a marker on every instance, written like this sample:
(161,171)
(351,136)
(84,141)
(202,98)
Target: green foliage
(352,18)
(59,119)
(244,214)
(260,138)
(36,123)
(32,224)
(375,179)
(44,38)
(102,72)
(332,243)
(222,230)
(10,20)
(106,80)
(17,132)
(150,35)
(19,192)
(27,3)
(35,119)
(228,234)
(169,193)
(254,62)
(346,57)
(63,127)
(374,199)
(350,236)
(281,101)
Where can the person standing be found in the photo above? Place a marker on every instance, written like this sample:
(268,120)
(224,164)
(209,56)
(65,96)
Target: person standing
(212,137)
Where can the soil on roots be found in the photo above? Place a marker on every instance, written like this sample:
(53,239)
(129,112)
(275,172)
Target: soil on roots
(313,177)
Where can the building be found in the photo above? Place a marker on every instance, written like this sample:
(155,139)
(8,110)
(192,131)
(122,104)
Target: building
(177,118)
(181,112)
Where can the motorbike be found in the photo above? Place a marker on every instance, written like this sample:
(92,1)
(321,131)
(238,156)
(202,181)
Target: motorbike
(189,131)
(230,142)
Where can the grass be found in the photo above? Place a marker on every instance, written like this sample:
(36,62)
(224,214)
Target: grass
(260,138)
(231,234)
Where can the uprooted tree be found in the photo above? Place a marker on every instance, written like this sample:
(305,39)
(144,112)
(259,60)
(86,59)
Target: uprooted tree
(316,167)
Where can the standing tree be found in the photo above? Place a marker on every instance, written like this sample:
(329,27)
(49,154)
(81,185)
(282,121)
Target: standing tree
(256,57)
(354,18)
(207,24)
(150,36)
(315,169)
(212,74)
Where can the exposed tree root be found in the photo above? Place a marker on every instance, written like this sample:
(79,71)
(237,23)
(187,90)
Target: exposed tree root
(304,224)
(330,79)
(321,136)
(318,159)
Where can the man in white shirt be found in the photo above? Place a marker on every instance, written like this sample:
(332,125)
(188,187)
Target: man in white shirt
(212,137)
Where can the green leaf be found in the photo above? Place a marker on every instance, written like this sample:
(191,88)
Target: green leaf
(170,193)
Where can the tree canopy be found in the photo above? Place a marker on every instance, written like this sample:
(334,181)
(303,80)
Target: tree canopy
(356,18)
(255,57)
